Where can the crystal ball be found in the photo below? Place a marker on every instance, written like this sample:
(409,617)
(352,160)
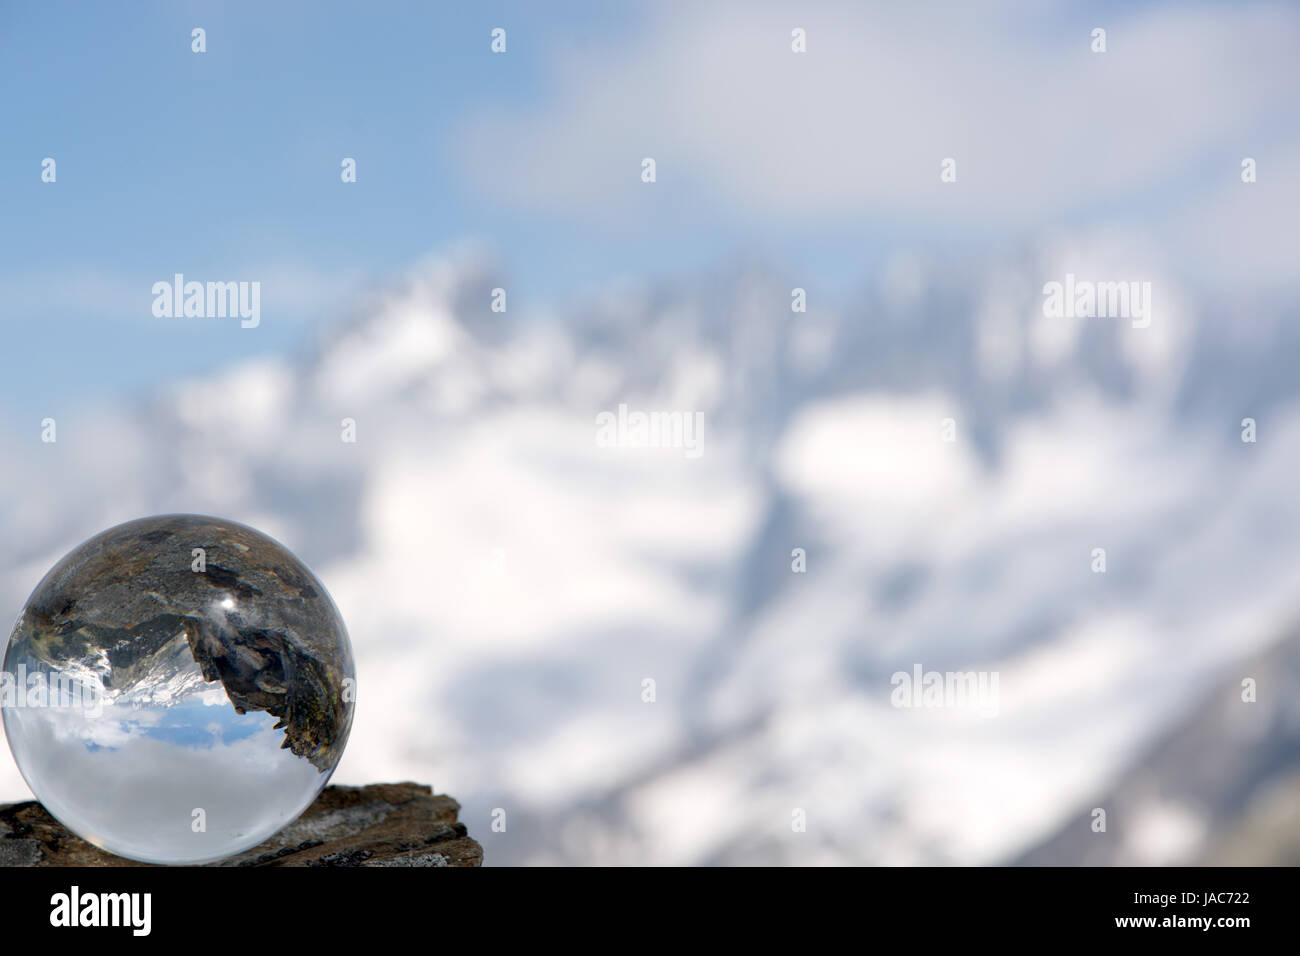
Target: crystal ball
(177,689)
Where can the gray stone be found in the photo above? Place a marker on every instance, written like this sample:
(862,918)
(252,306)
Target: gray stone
(384,824)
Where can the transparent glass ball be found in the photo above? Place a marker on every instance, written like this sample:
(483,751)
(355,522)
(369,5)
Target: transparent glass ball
(177,689)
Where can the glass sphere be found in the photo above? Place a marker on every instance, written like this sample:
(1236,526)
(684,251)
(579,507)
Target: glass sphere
(177,689)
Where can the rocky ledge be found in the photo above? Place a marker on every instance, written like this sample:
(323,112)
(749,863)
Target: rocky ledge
(384,824)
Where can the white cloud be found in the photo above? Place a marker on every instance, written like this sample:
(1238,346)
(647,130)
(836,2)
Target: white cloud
(1042,128)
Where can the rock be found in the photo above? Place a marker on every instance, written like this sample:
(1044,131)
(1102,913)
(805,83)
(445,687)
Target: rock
(384,824)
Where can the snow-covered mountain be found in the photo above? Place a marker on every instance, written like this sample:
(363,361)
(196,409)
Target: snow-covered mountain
(1220,788)
(512,585)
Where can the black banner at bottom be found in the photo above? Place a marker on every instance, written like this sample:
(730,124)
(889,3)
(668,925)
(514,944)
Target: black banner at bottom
(333,905)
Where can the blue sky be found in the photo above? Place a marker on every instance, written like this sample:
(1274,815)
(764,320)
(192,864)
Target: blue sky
(225,165)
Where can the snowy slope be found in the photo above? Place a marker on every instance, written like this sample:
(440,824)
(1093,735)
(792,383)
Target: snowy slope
(509,584)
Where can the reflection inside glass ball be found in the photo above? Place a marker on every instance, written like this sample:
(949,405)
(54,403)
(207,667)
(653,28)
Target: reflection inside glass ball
(177,689)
